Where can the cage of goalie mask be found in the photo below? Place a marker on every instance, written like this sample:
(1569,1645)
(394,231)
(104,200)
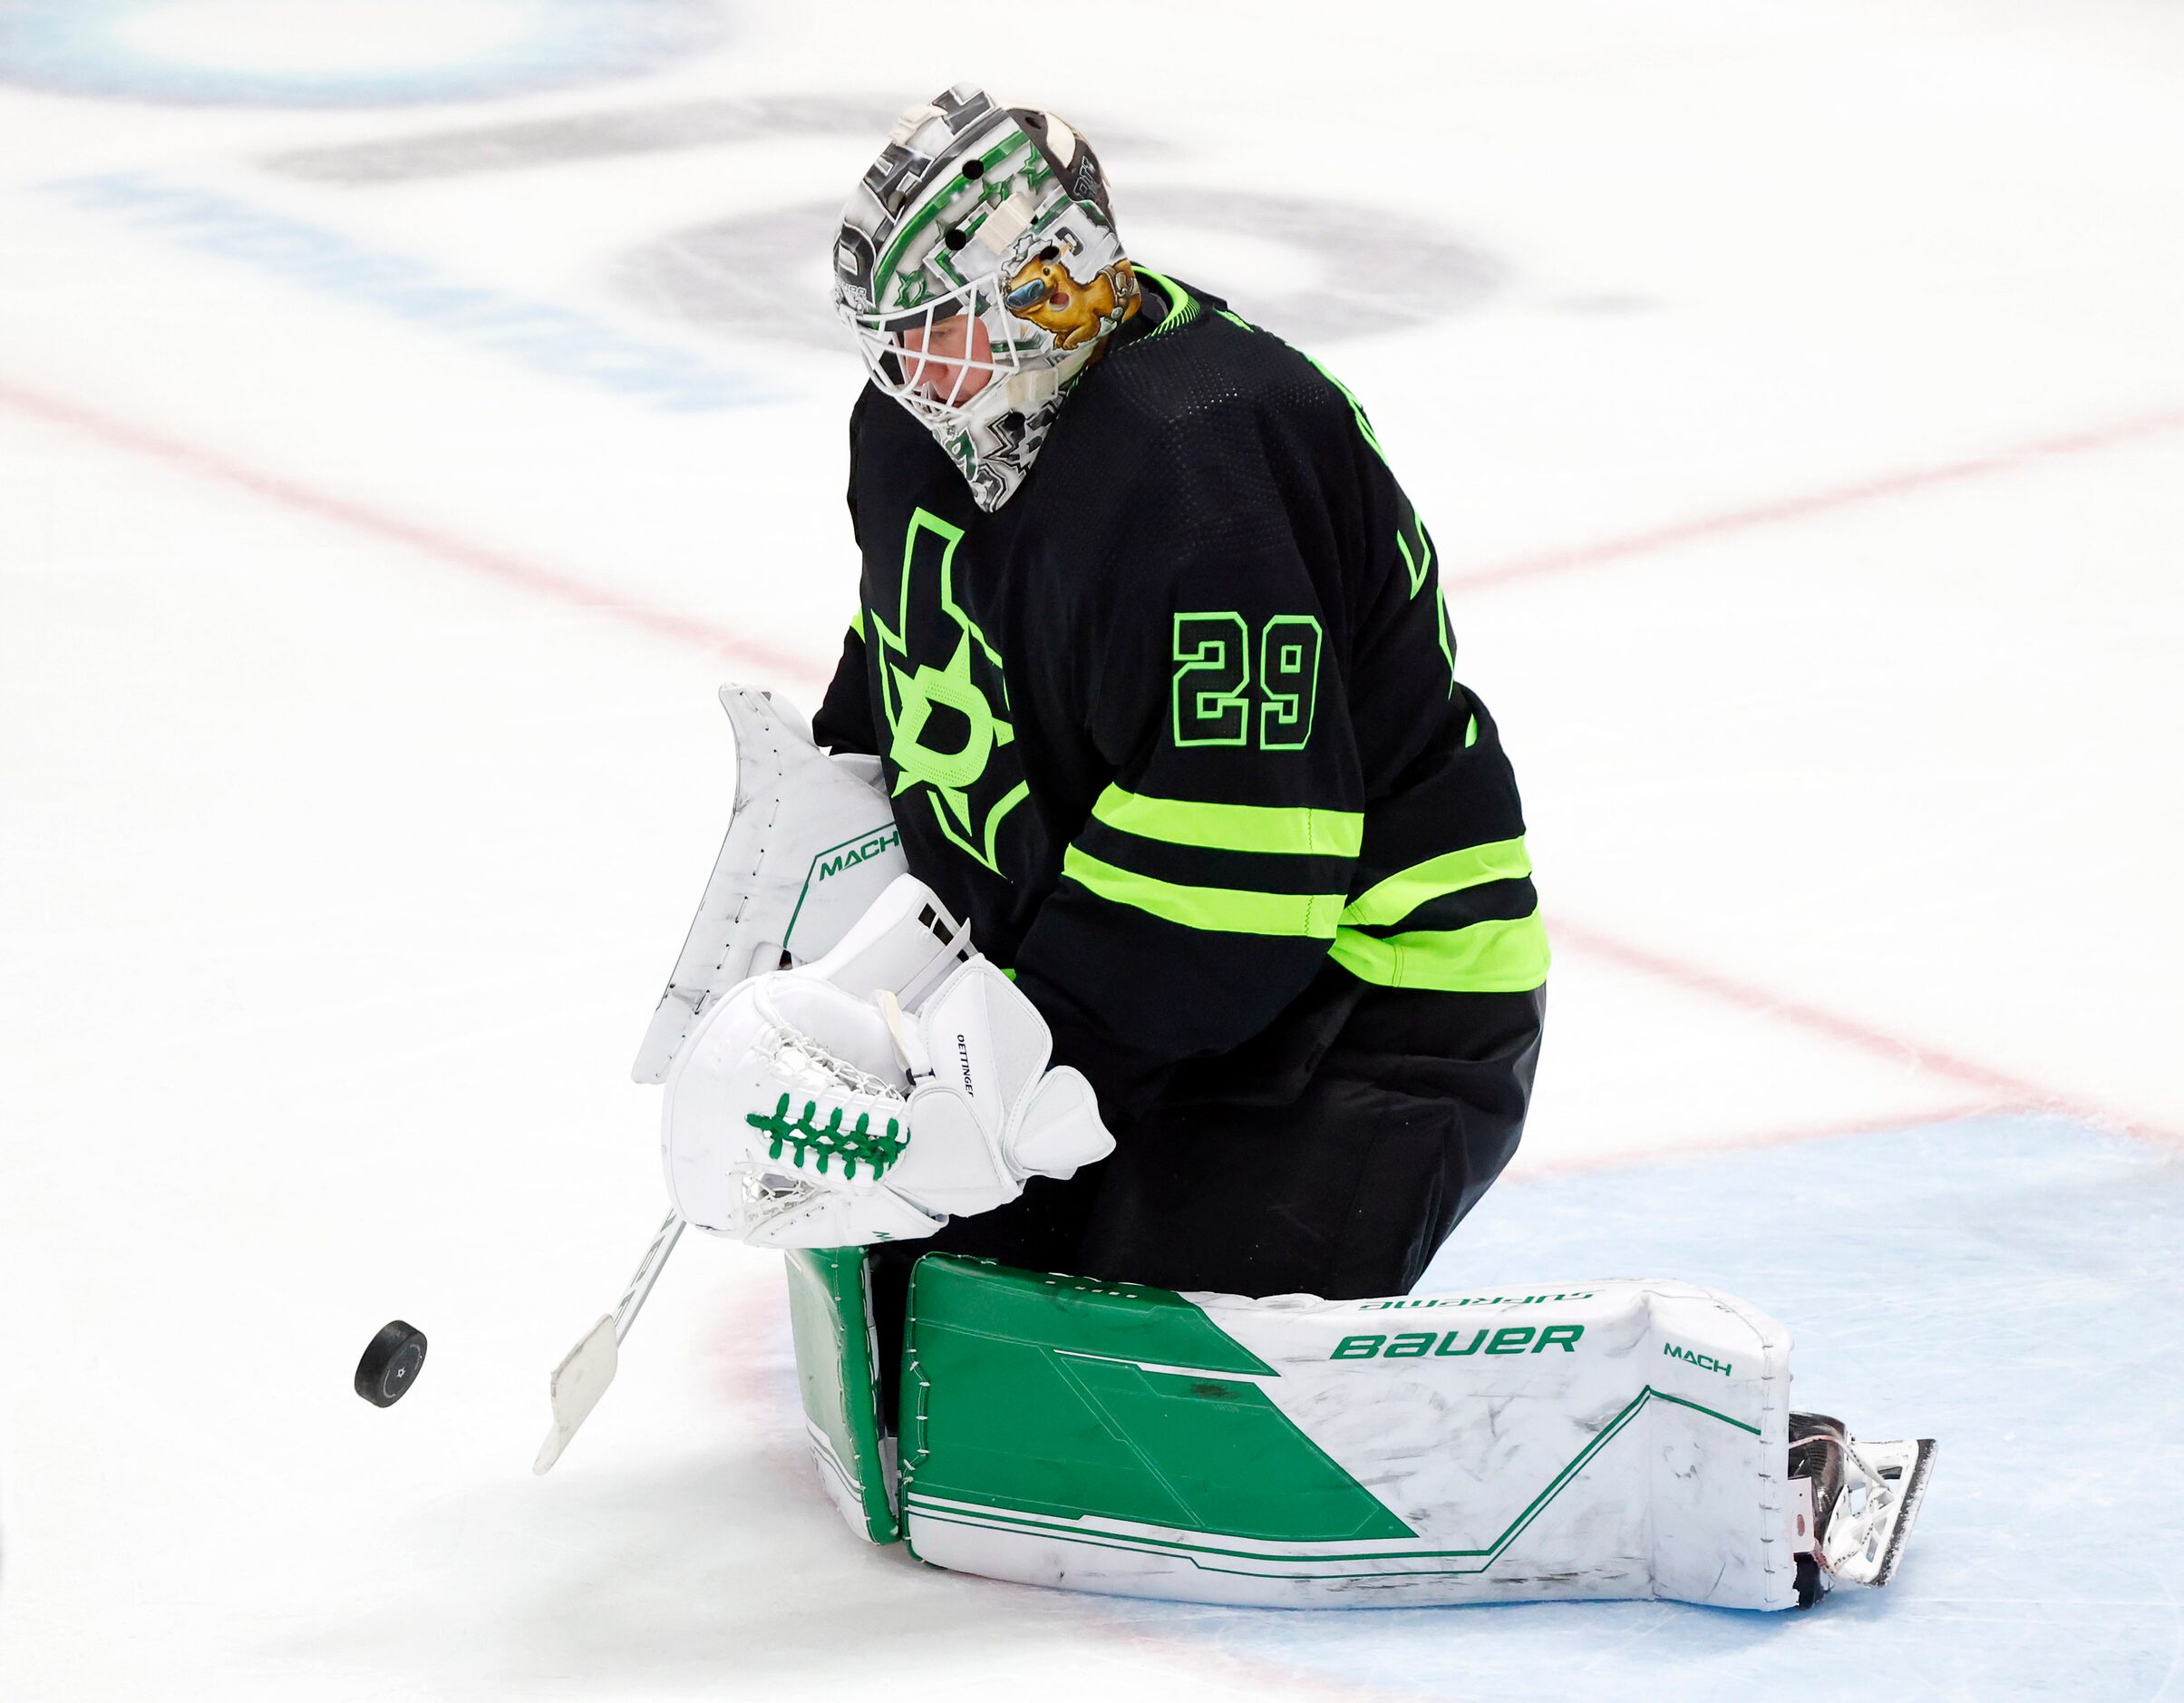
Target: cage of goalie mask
(998,218)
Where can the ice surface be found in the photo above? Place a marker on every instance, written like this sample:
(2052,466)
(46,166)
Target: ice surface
(396,450)
(1989,1283)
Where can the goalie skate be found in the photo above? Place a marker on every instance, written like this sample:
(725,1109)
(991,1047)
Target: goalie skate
(1864,1497)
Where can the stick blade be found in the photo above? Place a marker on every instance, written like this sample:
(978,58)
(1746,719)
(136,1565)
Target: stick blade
(576,1387)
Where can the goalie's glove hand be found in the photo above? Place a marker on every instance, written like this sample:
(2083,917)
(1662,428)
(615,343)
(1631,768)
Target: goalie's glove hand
(810,1108)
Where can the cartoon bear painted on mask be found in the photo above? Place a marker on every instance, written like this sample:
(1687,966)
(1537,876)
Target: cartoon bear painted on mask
(1044,292)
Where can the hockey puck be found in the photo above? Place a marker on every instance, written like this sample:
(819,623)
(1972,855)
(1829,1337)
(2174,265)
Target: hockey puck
(391,1363)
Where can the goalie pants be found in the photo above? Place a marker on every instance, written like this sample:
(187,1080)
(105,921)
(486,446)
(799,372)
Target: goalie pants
(1344,1188)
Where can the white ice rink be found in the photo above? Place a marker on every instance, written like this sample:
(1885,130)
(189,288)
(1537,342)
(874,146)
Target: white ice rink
(409,412)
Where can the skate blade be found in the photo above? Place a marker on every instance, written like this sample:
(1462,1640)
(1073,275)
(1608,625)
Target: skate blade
(1911,1490)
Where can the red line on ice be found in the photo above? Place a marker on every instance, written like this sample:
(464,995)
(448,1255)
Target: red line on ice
(545,582)
(1880,488)
(2013,1091)
(478,558)
(1869,1124)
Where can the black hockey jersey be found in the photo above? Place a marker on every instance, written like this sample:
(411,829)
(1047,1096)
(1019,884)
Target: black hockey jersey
(1178,728)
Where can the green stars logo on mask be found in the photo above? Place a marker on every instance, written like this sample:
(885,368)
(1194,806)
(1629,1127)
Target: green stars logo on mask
(947,700)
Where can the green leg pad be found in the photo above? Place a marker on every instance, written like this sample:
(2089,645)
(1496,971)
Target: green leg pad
(1033,1395)
(837,1365)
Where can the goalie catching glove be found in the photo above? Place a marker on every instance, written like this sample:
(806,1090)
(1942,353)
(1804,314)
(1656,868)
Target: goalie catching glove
(871,1095)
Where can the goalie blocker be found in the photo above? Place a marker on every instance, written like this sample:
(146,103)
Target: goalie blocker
(1612,1440)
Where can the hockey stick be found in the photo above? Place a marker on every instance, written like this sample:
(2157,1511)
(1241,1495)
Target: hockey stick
(587,1368)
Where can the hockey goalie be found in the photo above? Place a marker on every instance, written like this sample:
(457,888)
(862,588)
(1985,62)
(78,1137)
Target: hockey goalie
(1133,974)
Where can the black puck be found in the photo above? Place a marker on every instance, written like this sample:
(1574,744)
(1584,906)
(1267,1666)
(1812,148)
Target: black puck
(391,1363)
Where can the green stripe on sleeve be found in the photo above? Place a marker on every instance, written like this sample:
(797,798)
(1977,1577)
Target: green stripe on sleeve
(1216,909)
(1233,827)
(1486,958)
(1402,893)
(1183,306)
(857,624)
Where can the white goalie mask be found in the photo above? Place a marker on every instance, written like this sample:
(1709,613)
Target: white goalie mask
(978,266)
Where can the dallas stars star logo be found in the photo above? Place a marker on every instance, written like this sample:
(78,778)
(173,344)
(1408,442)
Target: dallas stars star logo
(948,723)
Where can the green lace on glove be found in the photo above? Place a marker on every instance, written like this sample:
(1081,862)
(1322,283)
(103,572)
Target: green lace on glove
(860,1144)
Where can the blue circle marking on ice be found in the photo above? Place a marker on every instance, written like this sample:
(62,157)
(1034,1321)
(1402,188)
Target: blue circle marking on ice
(342,52)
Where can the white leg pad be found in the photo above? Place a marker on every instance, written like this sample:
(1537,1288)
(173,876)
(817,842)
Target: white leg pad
(1601,1440)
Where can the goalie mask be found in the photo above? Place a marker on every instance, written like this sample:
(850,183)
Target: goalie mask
(978,265)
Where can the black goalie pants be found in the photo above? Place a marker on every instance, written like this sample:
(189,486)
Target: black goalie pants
(1345,1190)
